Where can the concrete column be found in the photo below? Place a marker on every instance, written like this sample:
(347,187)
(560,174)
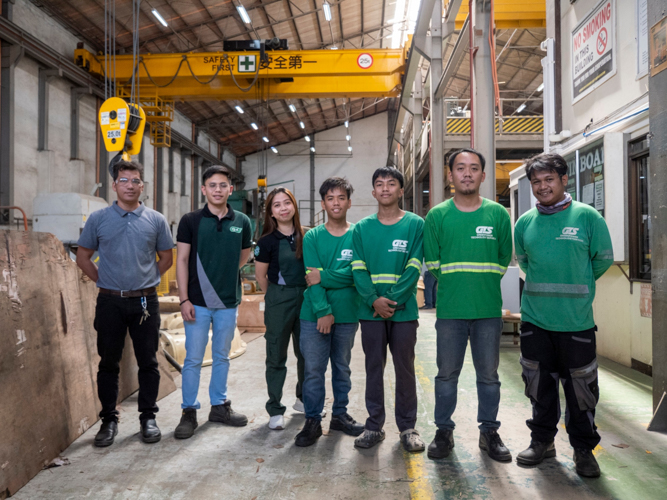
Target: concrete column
(417,118)
(437,172)
(658,212)
(483,96)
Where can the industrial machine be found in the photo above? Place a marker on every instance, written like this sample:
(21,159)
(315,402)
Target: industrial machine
(64,214)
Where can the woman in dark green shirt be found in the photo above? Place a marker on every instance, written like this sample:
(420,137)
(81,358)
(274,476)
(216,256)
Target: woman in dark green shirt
(280,272)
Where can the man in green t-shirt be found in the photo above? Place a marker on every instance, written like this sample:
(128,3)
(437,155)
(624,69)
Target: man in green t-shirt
(467,245)
(329,314)
(563,246)
(388,253)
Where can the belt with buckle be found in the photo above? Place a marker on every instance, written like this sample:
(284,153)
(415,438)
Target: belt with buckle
(126,294)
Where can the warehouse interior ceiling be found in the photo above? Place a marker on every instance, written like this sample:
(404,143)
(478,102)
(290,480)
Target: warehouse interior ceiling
(203,25)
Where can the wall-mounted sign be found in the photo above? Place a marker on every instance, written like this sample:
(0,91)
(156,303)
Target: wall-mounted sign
(642,38)
(593,50)
(658,42)
(646,301)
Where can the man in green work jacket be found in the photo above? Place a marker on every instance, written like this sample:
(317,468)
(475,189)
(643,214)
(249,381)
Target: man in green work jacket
(563,246)
(388,253)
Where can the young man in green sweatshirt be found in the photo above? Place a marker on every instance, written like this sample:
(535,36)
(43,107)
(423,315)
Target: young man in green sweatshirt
(329,314)
(468,244)
(387,262)
(563,246)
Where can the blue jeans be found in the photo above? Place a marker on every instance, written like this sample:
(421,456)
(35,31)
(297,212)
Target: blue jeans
(317,348)
(451,345)
(430,290)
(196,339)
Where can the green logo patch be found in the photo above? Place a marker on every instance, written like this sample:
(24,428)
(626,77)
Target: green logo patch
(235,229)
(256,251)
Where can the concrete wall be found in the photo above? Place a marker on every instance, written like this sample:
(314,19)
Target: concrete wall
(291,166)
(53,170)
(620,89)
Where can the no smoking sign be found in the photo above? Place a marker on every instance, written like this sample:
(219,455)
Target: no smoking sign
(365,60)
(601,44)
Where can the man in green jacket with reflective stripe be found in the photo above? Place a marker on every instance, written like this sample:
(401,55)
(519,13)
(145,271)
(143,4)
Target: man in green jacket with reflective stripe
(467,245)
(563,246)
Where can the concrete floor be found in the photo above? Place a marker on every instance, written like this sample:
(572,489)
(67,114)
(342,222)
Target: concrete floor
(255,462)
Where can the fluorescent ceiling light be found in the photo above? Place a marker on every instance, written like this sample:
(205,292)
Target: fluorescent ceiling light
(254,125)
(521,108)
(274,149)
(239,109)
(301,124)
(244,15)
(312,149)
(265,139)
(292,108)
(327,10)
(349,148)
(348,137)
(540,88)
(307,138)
(159,18)
(347,124)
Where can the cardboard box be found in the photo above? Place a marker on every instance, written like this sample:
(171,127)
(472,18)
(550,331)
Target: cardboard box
(251,313)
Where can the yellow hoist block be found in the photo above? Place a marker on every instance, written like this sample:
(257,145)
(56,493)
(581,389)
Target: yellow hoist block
(122,126)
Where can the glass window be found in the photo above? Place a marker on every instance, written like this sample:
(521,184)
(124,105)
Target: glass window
(591,175)
(640,220)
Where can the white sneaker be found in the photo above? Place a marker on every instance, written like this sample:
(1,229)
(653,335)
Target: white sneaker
(298,406)
(277,423)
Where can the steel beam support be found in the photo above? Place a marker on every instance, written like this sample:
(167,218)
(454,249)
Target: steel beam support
(9,58)
(44,78)
(417,118)
(75,98)
(312,182)
(170,163)
(437,171)
(658,213)
(460,51)
(184,154)
(159,180)
(483,94)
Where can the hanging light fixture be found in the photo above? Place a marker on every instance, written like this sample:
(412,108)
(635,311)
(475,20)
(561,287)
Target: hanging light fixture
(327,10)
(159,18)
(239,109)
(254,126)
(307,138)
(292,108)
(243,13)
(274,150)
(265,139)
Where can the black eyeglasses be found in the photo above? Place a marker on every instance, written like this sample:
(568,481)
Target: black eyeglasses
(125,180)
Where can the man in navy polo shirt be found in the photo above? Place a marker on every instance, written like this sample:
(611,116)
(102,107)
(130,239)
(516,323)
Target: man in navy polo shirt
(127,236)
(213,244)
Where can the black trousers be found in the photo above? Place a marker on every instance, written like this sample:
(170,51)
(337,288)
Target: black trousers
(548,357)
(401,338)
(113,317)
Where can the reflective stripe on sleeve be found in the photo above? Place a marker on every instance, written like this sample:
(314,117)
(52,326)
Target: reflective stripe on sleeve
(359,265)
(385,278)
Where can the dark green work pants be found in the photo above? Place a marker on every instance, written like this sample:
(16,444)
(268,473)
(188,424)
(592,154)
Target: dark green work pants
(281,317)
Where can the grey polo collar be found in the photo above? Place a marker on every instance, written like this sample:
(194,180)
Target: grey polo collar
(138,211)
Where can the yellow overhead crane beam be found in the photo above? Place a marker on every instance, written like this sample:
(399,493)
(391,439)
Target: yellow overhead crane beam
(284,74)
(511,14)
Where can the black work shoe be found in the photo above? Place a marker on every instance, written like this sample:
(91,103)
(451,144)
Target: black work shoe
(150,432)
(491,443)
(369,439)
(186,428)
(309,434)
(223,413)
(536,452)
(585,463)
(106,434)
(442,444)
(411,441)
(346,424)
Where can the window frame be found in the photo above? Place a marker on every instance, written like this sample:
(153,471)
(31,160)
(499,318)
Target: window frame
(634,157)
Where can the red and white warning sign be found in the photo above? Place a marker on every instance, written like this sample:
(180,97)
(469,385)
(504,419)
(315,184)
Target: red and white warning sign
(593,56)
(365,60)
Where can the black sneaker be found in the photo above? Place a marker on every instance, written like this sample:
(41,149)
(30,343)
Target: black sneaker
(346,424)
(536,452)
(491,443)
(223,413)
(106,434)
(442,444)
(369,439)
(186,428)
(585,463)
(150,432)
(309,434)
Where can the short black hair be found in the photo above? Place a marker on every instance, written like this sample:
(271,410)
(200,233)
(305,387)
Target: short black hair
(546,162)
(452,157)
(213,170)
(388,171)
(127,165)
(333,183)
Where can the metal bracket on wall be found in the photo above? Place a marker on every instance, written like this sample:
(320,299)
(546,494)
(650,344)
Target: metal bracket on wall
(626,276)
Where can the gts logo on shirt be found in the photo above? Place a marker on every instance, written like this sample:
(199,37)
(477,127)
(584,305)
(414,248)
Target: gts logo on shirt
(345,255)
(399,246)
(483,233)
(570,233)
(235,229)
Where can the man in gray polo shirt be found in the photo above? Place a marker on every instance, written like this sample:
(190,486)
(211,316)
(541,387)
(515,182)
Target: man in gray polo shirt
(127,236)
